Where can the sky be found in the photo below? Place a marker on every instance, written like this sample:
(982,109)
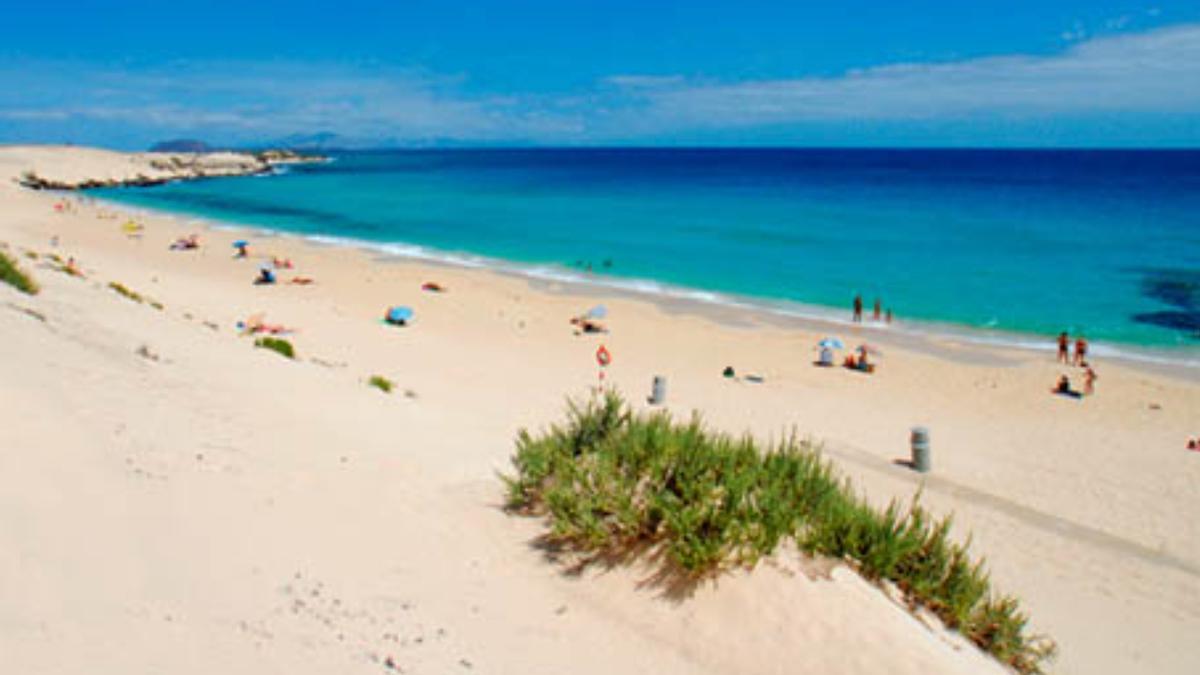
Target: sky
(988,73)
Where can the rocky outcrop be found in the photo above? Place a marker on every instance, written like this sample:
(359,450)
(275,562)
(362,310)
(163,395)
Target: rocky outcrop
(156,168)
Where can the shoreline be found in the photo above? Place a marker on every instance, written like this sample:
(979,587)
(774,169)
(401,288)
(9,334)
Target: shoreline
(722,307)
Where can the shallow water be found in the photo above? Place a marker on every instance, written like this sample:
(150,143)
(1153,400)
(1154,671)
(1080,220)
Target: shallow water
(1106,243)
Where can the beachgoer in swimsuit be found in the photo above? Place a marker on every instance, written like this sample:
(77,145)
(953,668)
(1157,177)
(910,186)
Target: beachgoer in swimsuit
(1064,352)
(858,305)
(878,309)
(1089,381)
(1081,347)
(1063,386)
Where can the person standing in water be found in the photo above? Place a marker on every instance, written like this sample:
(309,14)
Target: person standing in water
(858,305)
(878,310)
(1063,347)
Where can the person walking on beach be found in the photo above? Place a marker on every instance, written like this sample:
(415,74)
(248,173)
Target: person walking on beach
(1064,341)
(1089,381)
(1081,347)
(858,304)
(878,310)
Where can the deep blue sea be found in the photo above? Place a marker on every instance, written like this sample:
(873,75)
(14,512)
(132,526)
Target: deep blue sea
(1105,243)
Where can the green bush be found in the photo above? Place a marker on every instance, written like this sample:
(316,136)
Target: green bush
(613,483)
(16,277)
(381,383)
(277,345)
(124,292)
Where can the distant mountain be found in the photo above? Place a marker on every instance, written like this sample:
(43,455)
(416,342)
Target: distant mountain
(181,145)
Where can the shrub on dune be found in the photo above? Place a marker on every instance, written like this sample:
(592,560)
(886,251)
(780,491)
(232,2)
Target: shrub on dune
(14,276)
(124,292)
(613,483)
(277,345)
(381,383)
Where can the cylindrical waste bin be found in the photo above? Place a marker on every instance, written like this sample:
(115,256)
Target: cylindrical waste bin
(920,449)
(658,390)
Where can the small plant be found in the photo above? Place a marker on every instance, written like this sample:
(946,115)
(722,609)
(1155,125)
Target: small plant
(123,291)
(381,383)
(613,483)
(16,277)
(277,345)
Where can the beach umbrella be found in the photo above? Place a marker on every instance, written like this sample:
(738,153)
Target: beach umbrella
(830,343)
(400,313)
(241,243)
(597,312)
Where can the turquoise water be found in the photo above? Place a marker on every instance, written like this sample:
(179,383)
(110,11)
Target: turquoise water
(1106,243)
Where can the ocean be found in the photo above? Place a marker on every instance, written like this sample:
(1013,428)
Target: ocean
(1001,244)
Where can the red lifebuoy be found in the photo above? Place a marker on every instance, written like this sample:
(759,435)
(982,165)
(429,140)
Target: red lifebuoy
(603,357)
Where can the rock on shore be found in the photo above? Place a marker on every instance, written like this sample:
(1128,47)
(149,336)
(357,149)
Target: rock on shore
(49,169)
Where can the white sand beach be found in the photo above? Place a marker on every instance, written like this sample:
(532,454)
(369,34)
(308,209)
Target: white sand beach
(174,500)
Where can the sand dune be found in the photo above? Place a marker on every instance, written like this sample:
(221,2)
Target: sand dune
(204,505)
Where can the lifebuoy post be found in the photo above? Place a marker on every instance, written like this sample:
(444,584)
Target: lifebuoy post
(603,358)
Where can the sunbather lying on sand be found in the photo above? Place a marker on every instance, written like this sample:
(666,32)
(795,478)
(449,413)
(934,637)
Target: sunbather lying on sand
(432,286)
(188,243)
(255,325)
(587,325)
(301,281)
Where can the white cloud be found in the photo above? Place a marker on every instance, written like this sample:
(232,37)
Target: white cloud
(641,81)
(1155,72)
(1075,34)
(238,102)
(1119,23)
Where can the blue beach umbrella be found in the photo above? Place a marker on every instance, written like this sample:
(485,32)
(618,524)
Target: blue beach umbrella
(241,243)
(399,314)
(830,343)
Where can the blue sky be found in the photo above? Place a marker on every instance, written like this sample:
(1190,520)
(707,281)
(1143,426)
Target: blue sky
(875,73)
